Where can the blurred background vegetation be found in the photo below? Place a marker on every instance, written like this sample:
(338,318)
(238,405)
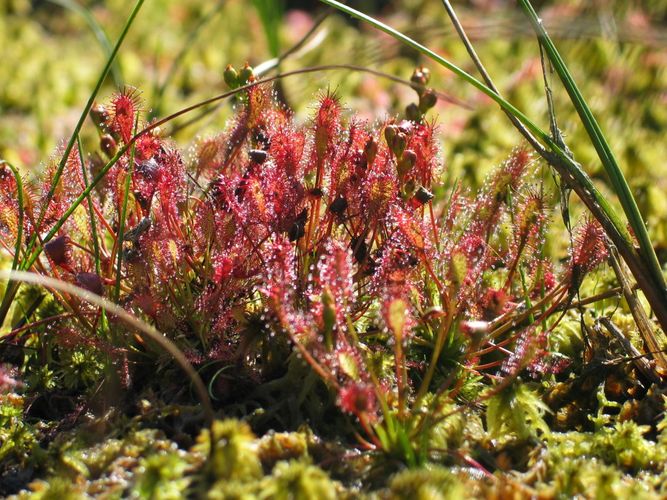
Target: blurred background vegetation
(52,52)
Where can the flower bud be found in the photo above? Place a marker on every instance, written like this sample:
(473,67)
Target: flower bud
(427,100)
(390,132)
(56,250)
(246,74)
(370,150)
(422,197)
(108,145)
(231,77)
(338,206)
(407,161)
(421,76)
(99,115)
(399,144)
(258,156)
(412,112)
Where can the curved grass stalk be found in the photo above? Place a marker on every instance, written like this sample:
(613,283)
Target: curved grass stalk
(555,150)
(644,265)
(146,330)
(604,152)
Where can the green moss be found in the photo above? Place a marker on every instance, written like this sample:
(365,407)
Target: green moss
(430,483)
(234,454)
(18,440)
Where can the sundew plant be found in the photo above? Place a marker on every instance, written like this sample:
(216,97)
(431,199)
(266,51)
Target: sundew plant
(306,305)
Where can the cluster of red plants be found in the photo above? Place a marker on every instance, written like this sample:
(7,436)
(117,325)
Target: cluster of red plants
(324,232)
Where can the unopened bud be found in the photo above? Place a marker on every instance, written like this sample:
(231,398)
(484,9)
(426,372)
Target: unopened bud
(99,115)
(56,249)
(338,206)
(412,112)
(108,145)
(399,144)
(246,74)
(370,150)
(90,282)
(407,161)
(423,195)
(231,77)
(420,76)
(390,132)
(427,100)
(258,156)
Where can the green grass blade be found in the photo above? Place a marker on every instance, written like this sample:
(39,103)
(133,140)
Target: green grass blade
(601,145)
(573,168)
(271,14)
(188,44)
(32,255)
(97,30)
(123,216)
(82,119)
(91,209)
(19,197)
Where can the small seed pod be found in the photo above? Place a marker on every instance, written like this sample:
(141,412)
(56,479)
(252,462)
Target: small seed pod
(427,100)
(258,156)
(338,206)
(108,145)
(298,228)
(370,150)
(231,77)
(412,112)
(399,144)
(390,132)
(359,248)
(423,195)
(90,282)
(57,249)
(99,115)
(246,74)
(407,161)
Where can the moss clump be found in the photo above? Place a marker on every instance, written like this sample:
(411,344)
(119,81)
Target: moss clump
(431,483)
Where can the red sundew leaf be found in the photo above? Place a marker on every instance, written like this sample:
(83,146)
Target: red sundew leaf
(327,124)
(409,227)
(428,165)
(395,316)
(589,249)
(357,399)
(146,147)
(287,148)
(335,277)
(9,207)
(125,107)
